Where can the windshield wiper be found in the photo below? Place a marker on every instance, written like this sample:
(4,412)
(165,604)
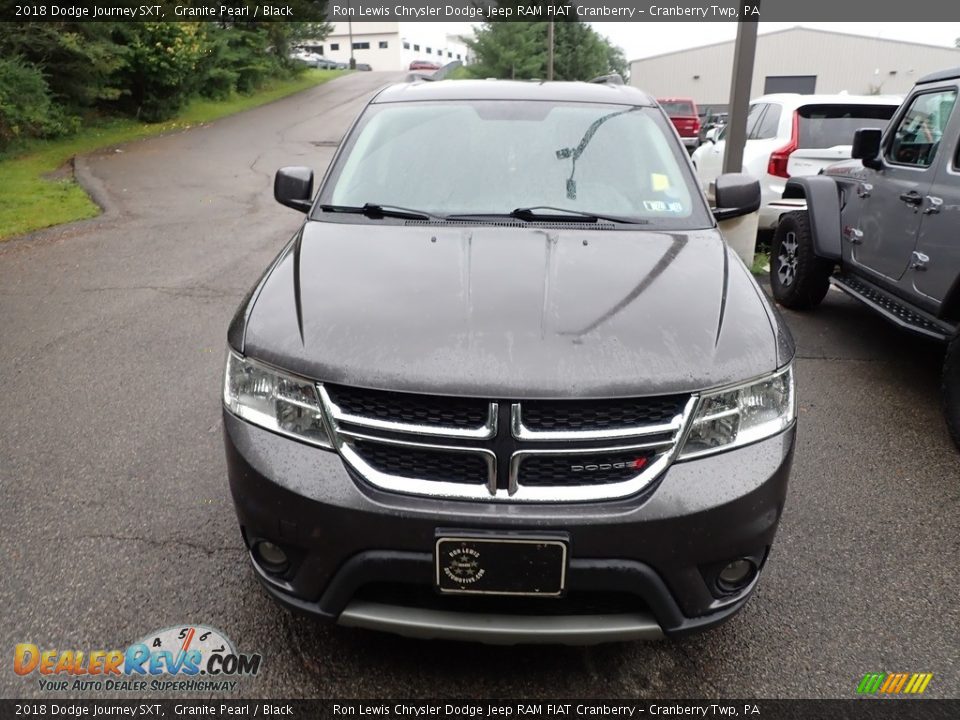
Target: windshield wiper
(575,152)
(377,212)
(558,214)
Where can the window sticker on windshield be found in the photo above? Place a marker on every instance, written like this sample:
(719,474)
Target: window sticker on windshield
(659,182)
(661,206)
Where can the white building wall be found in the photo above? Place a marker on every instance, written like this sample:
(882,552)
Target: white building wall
(404,43)
(856,64)
(443,48)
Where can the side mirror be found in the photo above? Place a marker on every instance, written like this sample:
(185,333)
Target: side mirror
(293,187)
(736,194)
(866,147)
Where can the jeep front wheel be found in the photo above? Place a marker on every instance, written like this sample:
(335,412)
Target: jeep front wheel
(799,278)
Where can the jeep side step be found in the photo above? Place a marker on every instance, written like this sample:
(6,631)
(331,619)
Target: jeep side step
(894,309)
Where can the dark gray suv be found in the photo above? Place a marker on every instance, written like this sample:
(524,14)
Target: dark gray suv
(507,382)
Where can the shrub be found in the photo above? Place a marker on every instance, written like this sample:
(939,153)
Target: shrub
(246,53)
(218,83)
(251,76)
(51,71)
(26,108)
(160,68)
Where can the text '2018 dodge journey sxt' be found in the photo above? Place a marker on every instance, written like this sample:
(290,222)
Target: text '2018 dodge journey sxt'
(507,382)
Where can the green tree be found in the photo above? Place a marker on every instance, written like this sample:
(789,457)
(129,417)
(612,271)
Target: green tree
(580,54)
(58,73)
(510,50)
(518,50)
(79,60)
(159,73)
(616,60)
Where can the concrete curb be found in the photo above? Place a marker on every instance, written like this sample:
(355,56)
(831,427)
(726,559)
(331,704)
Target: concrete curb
(93,186)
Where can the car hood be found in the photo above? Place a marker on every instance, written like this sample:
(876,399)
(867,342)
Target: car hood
(513,312)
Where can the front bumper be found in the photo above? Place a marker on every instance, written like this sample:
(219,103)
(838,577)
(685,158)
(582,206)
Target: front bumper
(363,557)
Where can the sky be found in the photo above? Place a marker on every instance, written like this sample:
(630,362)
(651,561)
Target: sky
(639,39)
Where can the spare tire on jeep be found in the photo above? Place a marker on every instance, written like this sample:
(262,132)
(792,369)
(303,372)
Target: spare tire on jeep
(799,279)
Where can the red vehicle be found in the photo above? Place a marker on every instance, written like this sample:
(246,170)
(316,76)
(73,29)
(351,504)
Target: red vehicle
(683,113)
(423,65)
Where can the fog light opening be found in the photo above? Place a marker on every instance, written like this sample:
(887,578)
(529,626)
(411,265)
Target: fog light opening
(271,557)
(737,575)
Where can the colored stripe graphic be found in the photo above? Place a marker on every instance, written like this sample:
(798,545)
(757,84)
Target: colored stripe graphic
(889,683)
(894,683)
(870,683)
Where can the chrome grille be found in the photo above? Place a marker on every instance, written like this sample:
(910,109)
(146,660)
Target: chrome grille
(582,469)
(600,415)
(429,465)
(408,412)
(531,451)
(437,411)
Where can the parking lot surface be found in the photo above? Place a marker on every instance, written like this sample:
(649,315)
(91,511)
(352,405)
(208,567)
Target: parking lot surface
(116,520)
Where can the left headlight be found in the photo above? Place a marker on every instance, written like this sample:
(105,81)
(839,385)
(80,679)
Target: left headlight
(267,397)
(740,415)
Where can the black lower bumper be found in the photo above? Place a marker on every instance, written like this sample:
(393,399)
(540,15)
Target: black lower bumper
(625,577)
(365,557)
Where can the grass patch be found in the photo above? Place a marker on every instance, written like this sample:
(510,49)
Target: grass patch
(761,263)
(31,201)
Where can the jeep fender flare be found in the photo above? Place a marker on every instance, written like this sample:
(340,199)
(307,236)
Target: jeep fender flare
(823,210)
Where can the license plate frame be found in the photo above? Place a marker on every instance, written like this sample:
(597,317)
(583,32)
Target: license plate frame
(504,565)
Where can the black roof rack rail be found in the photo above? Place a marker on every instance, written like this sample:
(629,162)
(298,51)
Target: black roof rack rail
(417,77)
(610,79)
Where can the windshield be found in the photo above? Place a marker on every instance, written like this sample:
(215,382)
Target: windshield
(491,157)
(677,108)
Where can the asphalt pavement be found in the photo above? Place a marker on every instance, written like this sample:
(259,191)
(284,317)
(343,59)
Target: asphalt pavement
(116,519)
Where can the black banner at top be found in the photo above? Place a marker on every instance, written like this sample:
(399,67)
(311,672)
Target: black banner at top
(479,10)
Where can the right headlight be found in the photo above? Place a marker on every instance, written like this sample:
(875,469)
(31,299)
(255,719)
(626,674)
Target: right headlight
(740,415)
(274,400)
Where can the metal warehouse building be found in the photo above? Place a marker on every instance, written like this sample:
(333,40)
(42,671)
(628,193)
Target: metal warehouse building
(799,60)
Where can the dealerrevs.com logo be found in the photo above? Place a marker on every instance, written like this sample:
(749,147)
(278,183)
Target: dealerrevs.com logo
(185,658)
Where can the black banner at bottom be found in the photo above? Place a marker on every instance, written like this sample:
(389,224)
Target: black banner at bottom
(865,709)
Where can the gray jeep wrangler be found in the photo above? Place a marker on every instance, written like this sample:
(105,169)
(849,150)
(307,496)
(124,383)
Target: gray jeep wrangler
(885,227)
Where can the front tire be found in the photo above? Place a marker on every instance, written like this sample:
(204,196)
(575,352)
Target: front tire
(798,277)
(951,389)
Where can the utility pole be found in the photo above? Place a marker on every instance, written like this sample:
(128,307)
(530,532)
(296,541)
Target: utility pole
(744,51)
(353,61)
(550,50)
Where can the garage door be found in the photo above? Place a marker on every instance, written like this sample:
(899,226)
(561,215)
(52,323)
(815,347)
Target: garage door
(803,84)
